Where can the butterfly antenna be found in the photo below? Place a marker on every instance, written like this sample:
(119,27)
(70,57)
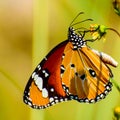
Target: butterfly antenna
(84,29)
(76,18)
(81,22)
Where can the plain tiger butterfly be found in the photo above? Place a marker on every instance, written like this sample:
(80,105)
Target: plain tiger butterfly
(70,71)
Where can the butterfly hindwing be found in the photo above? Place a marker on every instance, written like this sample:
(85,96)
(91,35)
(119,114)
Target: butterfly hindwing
(89,77)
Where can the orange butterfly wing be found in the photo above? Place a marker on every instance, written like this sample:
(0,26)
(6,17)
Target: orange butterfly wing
(44,87)
(86,76)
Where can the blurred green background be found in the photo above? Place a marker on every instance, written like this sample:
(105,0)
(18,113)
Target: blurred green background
(28,30)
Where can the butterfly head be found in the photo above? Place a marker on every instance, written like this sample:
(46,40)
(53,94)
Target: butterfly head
(76,39)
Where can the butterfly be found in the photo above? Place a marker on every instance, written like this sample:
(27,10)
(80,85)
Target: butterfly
(71,71)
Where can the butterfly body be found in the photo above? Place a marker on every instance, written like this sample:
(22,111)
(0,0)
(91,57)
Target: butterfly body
(70,71)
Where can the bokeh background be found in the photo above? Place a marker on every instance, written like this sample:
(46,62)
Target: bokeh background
(28,30)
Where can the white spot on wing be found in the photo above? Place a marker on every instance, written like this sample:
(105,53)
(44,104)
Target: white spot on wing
(61,75)
(43,71)
(39,82)
(52,89)
(35,77)
(51,99)
(39,67)
(56,101)
(46,74)
(33,74)
(29,103)
(62,67)
(45,58)
(44,93)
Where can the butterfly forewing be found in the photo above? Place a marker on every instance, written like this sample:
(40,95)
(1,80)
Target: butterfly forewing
(44,87)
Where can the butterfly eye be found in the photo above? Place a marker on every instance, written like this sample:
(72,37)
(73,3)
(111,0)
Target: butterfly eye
(92,73)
